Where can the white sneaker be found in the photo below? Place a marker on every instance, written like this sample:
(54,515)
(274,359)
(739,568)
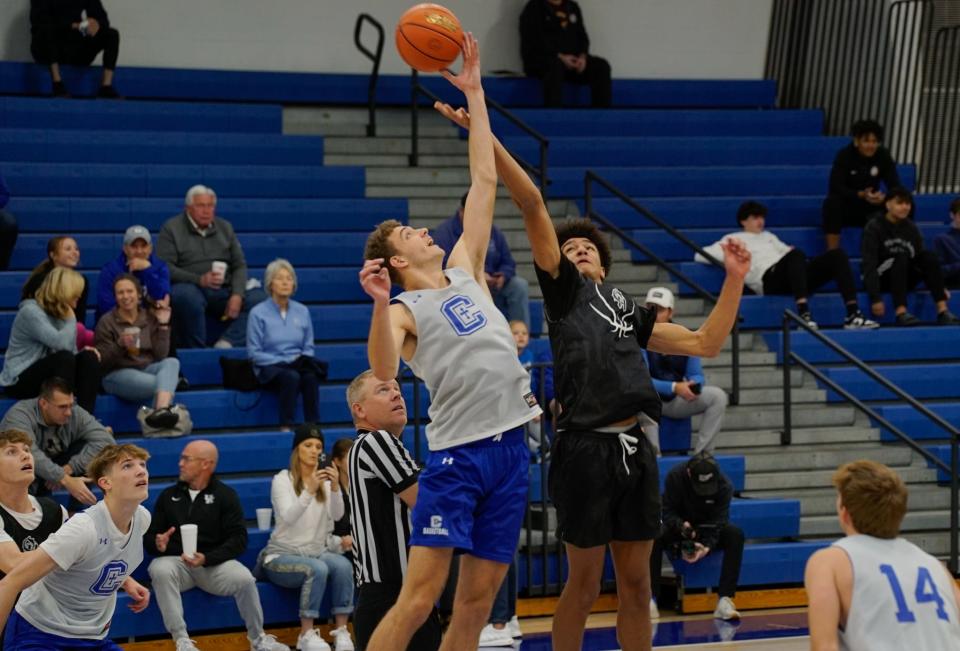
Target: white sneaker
(726,609)
(268,643)
(341,639)
(514,627)
(186,644)
(222,344)
(311,641)
(491,636)
(654,611)
(858,321)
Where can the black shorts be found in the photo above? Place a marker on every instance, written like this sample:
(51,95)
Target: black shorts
(839,213)
(601,492)
(373,602)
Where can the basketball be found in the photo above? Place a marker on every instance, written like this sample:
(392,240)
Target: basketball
(429,37)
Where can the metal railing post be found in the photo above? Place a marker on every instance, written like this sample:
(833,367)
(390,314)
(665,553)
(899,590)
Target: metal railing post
(414,118)
(954,485)
(735,364)
(375,74)
(786,436)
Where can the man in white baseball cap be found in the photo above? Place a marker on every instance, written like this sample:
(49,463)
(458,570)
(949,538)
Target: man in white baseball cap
(137,258)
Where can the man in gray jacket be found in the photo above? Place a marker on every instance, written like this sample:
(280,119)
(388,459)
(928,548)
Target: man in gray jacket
(208,273)
(65,438)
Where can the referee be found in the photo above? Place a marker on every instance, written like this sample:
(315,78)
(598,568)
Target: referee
(383,489)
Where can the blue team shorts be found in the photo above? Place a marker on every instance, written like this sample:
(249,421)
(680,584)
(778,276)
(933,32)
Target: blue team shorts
(472,497)
(21,635)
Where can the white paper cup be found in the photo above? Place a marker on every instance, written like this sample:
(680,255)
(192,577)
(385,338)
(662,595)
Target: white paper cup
(188,534)
(219,268)
(263,519)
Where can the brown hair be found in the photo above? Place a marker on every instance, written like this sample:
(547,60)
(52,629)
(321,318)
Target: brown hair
(874,496)
(59,289)
(101,464)
(297,479)
(12,436)
(46,265)
(587,229)
(379,246)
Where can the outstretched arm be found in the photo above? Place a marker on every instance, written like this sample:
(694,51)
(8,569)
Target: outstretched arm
(469,252)
(32,567)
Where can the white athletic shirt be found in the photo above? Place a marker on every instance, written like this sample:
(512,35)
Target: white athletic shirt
(94,558)
(765,248)
(902,598)
(28,521)
(467,358)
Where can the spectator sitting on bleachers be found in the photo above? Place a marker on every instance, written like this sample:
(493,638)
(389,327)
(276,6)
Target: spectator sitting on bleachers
(62,251)
(280,345)
(894,260)
(193,244)
(534,428)
(696,521)
(73,32)
(679,381)
(510,292)
(137,258)
(554,47)
(134,344)
(342,527)
(780,269)
(8,228)
(862,173)
(947,247)
(200,498)
(303,553)
(65,438)
(43,342)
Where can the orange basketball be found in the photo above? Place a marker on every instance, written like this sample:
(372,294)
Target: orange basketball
(429,37)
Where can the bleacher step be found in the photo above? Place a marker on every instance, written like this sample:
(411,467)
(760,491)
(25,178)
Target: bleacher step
(393,160)
(747,358)
(756,440)
(385,145)
(770,416)
(822,457)
(503,208)
(775,396)
(756,378)
(823,525)
(760,481)
(823,501)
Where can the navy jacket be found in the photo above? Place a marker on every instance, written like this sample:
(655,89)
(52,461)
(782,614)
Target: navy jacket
(947,247)
(64,13)
(499,258)
(155,280)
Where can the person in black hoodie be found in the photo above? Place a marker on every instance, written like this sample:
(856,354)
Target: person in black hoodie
(554,47)
(894,260)
(696,521)
(862,172)
(73,32)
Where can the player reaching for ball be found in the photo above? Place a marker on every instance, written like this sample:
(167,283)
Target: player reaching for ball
(473,490)
(604,479)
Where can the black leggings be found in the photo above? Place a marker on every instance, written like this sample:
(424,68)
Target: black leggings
(794,274)
(730,542)
(906,273)
(57,44)
(81,370)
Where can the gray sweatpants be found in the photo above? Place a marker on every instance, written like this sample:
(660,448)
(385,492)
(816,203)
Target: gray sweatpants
(171,576)
(712,403)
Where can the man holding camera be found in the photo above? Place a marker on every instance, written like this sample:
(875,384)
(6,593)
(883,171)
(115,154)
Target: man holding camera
(696,522)
(679,381)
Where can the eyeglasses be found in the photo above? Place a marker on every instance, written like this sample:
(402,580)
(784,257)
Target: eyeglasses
(186,458)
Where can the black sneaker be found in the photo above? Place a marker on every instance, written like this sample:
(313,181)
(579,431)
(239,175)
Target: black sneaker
(857,321)
(108,92)
(182,383)
(60,89)
(162,418)
(907,320)
(947,318)
(808,319)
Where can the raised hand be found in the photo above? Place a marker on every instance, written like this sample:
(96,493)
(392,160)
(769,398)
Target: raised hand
(736,257)
(163,539)
(460,117)
(375,279)
(469,77)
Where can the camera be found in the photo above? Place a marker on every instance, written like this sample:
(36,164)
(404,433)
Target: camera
(687,545)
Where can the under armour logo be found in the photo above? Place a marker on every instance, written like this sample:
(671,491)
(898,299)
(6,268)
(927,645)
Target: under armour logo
(447,461)
(463,314)
(104,541)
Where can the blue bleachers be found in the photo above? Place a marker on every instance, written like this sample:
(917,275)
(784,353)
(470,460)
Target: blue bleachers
(941,452)
(927,343)
(916,424)
(922,381)
(764,564)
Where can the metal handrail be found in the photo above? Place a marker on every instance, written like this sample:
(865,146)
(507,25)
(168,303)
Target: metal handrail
(539,171)
(786,436)
(375,74)
(592,177)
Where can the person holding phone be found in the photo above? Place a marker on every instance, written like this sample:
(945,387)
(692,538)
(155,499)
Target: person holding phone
(679,381)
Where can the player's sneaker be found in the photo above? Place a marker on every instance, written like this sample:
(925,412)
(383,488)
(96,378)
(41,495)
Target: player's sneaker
(857,321)
(268,643)
(341,639)
(186,644)
(491,636)
(726,609)
(654,611)
(808,319)
(947,318)
(907,320)
(311,641)
(514,627)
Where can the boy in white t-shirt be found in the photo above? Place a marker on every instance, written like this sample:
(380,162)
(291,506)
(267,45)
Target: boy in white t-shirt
(70,582)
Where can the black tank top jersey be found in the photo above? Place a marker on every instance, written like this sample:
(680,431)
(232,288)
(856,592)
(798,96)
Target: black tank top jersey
(596,334)
(29,539)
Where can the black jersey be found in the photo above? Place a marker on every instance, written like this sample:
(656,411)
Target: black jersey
(29,539)
(596,334)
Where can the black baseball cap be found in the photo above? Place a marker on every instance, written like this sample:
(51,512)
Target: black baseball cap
(704,474)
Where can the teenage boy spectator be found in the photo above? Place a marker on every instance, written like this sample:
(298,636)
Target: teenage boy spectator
(535,427)
(894,260)
(73,32)
(8,228)
(200,498)
(208,273)
(780,269)
(679,381)
(863,172)
(65,438)
(696,509)
(554,47)
(137,258)
(511,293)
(947,246)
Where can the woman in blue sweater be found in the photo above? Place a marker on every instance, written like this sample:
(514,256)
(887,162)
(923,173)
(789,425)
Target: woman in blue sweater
(280,345)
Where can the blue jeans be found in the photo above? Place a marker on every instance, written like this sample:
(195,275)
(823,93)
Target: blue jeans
(310,574)
(143,384)
(191,305)
(505,603)
(514,300)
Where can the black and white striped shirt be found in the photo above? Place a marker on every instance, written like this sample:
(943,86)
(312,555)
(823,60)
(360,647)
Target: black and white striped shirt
(380,469)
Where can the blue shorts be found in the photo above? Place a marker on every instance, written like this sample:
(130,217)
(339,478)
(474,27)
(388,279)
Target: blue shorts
(21,635)
(473,497)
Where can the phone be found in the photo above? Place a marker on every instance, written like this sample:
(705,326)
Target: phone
(695,388)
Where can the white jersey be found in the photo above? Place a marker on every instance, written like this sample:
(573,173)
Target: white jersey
(902,598)
(467,358)
(94,558)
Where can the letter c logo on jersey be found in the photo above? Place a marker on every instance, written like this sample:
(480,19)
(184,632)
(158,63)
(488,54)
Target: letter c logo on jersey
(111,577)
(463,314)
